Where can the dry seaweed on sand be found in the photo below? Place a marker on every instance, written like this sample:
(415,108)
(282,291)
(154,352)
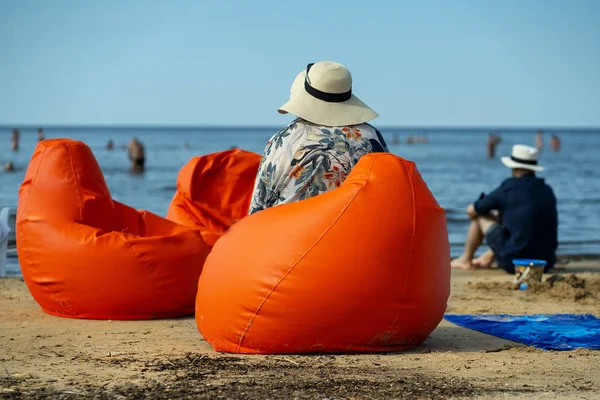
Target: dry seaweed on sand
(199,376)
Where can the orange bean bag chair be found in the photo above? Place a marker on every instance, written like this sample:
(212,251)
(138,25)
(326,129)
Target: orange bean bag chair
(84,255)
(362,268)
(213,191)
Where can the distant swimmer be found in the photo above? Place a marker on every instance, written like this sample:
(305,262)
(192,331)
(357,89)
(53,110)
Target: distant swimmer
(539,141)
(9,167)
(14,140)
(492,143)
(41,135)
(137,155)
(555,143)
(110,145)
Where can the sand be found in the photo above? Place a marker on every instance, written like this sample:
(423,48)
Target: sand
(42,356)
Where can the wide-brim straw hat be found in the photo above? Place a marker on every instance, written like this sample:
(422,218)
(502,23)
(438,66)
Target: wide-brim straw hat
(322,94)
(523,157)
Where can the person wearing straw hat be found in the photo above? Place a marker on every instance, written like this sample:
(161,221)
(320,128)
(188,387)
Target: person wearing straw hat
(316,152)
(518,220)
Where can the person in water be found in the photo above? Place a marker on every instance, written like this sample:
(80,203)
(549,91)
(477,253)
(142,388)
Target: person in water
(518,220)
(492,143)
(15,139)
(9,167)
(137,155)
(555,143)
(40,135)
(539,140)
(316,152)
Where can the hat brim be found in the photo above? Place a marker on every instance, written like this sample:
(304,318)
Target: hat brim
(350,112)
(507,161)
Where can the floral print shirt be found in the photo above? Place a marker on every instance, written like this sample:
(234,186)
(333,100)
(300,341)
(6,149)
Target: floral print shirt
(304,160)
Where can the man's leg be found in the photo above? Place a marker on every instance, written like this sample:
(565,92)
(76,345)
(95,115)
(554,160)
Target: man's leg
(475,235)
(485,260)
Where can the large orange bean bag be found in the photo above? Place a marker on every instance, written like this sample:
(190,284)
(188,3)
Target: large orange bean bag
(362,268)
(84,255)
(213,191)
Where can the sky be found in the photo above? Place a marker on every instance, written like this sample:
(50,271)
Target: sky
(213,62)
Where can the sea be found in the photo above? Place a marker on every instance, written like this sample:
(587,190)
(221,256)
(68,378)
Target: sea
(453,163)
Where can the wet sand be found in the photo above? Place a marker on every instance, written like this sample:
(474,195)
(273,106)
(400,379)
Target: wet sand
(42,356)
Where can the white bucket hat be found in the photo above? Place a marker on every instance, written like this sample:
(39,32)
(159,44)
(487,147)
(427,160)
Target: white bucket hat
(322,94)
(524,157)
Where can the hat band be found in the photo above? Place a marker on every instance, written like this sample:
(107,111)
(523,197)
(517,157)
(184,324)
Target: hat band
(522,161)
(328,97)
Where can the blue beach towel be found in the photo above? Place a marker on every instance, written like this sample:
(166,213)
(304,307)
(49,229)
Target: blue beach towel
(544,331)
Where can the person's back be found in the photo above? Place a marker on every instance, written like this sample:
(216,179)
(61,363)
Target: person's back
(316,151)
(306,159)
(529,215)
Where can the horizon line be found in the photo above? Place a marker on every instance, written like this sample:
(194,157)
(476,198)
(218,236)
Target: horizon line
(274,126)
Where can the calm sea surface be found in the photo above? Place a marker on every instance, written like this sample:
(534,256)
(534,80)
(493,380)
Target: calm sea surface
(453,164)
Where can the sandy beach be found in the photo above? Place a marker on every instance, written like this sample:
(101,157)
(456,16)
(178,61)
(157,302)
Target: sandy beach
(42,356)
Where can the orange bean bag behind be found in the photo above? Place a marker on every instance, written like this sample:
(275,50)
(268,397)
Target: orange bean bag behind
(213,191)
(84,255)
(362,268)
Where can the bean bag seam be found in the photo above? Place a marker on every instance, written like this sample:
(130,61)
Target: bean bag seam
(412,242)
(76,184)
(242,337)
(79,198)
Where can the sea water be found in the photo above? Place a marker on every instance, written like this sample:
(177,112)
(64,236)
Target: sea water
(453,163)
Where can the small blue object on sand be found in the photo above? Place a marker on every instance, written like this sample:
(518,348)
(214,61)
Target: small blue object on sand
(524,262)
(544,331)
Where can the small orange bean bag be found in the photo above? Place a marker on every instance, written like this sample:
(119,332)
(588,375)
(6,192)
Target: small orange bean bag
(84,255)
(362,268)
(213,191)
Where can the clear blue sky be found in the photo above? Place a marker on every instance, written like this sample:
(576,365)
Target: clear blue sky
(457,63)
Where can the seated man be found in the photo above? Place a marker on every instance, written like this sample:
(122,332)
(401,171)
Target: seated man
(316,151)
(526,222)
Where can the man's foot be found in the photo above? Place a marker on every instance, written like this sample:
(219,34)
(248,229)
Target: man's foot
(461,263)
(484,261)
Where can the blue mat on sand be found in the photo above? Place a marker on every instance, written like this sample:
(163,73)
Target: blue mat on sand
(544,331)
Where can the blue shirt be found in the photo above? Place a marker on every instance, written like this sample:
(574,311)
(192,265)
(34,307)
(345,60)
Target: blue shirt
(527,208)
